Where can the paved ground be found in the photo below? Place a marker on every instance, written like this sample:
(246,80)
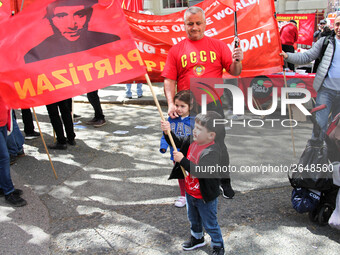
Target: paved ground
(112,195)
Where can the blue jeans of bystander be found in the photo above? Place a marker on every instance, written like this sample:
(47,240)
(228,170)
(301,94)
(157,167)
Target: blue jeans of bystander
(331,98)
(5,175)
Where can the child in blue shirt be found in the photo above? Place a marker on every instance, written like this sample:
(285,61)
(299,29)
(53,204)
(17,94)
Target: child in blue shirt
(181,126)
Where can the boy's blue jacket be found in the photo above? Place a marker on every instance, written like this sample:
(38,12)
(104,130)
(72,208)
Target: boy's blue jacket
(181,127)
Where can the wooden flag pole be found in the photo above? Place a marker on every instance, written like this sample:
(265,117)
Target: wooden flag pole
(162,116)
(42,138)
(290,114)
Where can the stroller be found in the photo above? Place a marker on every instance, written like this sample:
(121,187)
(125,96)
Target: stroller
(314,191)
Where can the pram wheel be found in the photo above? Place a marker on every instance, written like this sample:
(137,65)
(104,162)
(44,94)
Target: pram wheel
(324,214)
(313,215)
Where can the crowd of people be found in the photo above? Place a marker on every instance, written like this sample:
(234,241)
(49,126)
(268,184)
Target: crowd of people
(199,142)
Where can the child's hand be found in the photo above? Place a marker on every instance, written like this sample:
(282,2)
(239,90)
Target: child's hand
(165,125)
(178,156)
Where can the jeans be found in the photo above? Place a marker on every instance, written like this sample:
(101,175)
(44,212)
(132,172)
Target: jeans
(15,140)
(204,214)
(65,112)
(331,98)
(95,102)
(5,175)
(128,92)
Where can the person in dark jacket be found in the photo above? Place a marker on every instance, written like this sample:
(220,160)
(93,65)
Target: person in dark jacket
(327,78)
(201,186)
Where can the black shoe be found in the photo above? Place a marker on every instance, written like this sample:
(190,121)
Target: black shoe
(96,122)
(193,243)
(21,153)
(227,191)
(72,142)
(17,192)
(33,135)
(76,116)
(58,146)
(128,97)
(140,96)
(15,200)
(12,159)
(99,123)
(218,251)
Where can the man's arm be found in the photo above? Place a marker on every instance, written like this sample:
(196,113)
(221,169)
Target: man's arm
(236,65)
(170,91)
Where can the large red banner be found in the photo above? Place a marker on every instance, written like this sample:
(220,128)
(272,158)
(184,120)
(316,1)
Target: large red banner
(54,50)
(257,31)
(305,25)
(5,9)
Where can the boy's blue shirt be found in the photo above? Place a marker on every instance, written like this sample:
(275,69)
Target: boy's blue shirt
(181,127)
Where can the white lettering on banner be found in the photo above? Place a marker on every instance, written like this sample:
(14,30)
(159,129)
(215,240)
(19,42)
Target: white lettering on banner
(211,32)
(145,47)
(154,29)
(178,28)
(208,21)
(177,40)
(254,42)
(229,11)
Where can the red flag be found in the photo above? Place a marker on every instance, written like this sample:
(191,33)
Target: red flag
(305,25)
(133,5)
(5,9)
(257,31)
(54,50)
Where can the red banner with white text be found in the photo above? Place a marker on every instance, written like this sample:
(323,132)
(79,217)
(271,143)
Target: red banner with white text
(58,49)
(305,25)
(257,31)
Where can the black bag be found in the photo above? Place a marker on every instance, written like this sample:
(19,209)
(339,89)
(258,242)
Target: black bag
(313,170)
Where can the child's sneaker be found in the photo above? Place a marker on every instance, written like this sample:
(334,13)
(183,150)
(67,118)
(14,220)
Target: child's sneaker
(180,202)
(193,243)
(218,251)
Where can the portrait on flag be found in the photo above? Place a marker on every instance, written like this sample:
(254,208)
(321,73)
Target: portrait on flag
(69,21)
(58,49)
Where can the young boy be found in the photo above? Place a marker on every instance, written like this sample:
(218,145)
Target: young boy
(201,193)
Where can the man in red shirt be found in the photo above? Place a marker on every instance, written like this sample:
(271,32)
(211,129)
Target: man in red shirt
(199,56)
(289,36)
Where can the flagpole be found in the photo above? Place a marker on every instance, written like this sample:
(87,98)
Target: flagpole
(42,138)
(162,116)
(290,114)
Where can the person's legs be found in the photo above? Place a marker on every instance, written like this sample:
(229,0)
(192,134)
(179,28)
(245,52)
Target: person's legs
(95,102)
(336,105)
(67,119)
(289,48)
(128,93)
(196,226)
(53,113)
(6,183)
(27,119)
(324,96)
(208,213)
(181,201)
(139,90)
(15,140)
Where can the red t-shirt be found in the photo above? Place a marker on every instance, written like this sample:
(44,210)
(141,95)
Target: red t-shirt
(289,34)
(204,58)
(192,185)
